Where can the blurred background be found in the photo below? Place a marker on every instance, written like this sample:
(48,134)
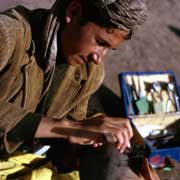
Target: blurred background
(154,46)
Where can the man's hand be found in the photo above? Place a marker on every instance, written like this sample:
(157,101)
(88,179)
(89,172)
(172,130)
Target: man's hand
(94,131)
(111,130)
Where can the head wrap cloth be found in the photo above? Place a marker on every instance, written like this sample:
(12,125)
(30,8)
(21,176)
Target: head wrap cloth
(103,3)
(123,14)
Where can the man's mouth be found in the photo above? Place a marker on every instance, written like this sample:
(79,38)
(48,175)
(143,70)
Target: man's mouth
(84,58)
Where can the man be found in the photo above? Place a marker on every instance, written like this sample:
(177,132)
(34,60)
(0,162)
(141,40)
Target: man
(51,62)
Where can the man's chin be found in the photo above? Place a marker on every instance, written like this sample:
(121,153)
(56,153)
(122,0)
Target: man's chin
(76,62)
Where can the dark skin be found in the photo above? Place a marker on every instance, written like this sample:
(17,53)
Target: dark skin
(89,42)
(80,45)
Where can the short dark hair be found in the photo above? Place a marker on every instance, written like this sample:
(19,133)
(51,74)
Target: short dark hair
(122,14)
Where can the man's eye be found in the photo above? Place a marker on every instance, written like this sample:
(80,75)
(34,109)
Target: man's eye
(113,49)
(99,42)
(102,43)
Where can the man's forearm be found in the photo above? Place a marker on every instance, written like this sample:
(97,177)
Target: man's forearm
(46,126)
(90,131)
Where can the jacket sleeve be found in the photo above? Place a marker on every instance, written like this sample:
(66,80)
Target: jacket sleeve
(80,110)
(84,108)
(88,107)
(6,46)
(14,120)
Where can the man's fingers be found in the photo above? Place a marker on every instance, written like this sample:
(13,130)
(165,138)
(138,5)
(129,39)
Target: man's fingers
(111,138)
(97,144)
(129,130)
(88,142)
(121,123)
(123,139)
(125,143)
(81,141)
(120,141)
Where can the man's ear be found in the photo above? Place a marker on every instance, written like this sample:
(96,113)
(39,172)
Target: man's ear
(74,9)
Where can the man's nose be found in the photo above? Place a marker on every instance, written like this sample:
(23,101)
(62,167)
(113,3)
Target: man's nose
(97,57)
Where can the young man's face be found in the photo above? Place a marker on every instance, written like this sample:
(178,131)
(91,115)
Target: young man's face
(89,42)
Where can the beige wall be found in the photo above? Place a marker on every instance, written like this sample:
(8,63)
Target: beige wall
(5,4)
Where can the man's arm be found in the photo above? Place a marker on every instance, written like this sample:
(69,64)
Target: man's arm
(12,32)
(90,131)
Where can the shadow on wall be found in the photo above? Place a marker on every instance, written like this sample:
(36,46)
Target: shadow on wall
(105,100)
(175,30)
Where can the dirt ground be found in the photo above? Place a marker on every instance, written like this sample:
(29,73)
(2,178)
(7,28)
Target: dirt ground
(154,47)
